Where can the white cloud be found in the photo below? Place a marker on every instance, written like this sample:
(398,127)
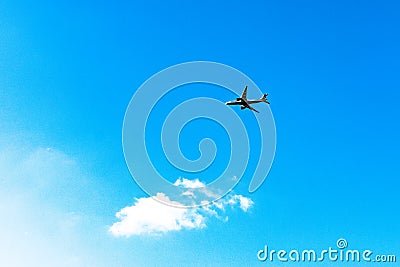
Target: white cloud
(244,202)
(148,216)
(152,217)
(186,183)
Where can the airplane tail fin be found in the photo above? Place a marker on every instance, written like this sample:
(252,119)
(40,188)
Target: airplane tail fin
(264,98)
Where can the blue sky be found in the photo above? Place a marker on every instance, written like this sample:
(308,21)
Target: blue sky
(69,69)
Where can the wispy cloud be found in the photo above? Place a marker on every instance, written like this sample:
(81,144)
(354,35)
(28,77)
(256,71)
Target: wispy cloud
(38,190)
(148,216)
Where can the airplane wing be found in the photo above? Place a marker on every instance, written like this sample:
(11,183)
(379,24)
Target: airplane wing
(247,105)
(244,94)
(253,109)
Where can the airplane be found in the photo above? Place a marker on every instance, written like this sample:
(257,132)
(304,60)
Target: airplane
(245,103)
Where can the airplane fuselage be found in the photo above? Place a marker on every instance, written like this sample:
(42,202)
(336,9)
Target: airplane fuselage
(241,101)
